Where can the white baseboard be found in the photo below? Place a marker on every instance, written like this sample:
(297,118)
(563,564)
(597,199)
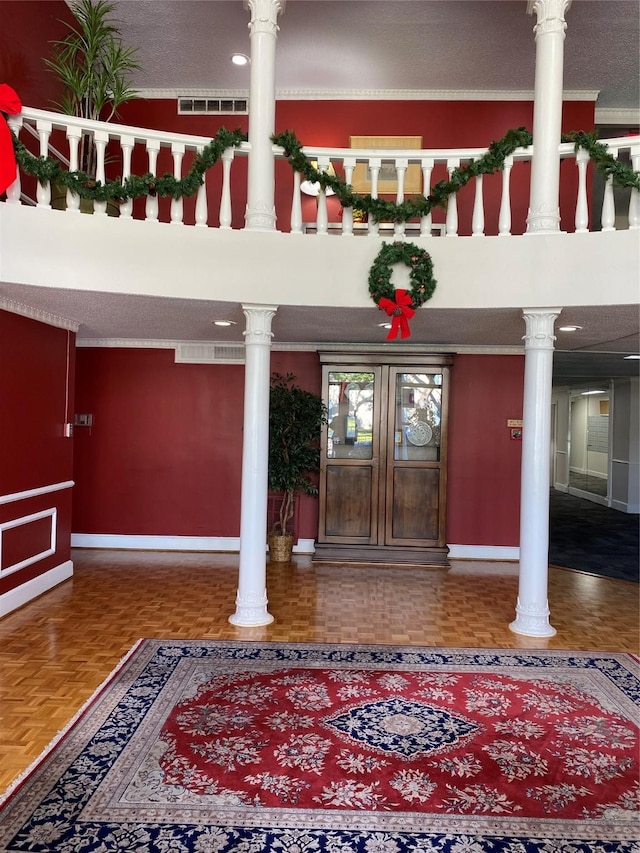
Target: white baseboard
(621,506)
(32,589)
(171,543)
(483,552)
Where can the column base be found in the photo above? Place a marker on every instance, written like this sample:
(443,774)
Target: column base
(251,614)
(532,622)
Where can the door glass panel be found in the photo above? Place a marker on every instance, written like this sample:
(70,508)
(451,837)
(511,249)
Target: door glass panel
(418,411)
(350,405)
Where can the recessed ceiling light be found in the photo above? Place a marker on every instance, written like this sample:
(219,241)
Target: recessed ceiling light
(223,323)
(632,357)
(569,328)
(586,393)
(240,59)
(385,325)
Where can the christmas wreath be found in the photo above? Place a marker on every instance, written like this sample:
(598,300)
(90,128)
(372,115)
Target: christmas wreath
(401,304)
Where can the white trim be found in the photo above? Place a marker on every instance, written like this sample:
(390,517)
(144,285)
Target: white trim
(51,513)
(135,343)
(38,314)
(371,94)
(622,506)
(33,493)
(483,552)
(228,544)
(617,116)
(37,586)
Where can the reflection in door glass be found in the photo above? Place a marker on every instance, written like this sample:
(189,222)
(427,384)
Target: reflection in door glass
(417,416)
(350,405)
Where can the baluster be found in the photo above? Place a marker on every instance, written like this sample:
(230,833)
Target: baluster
(296,206)
(582,207)
(401,171)
(225,198)
(126,143)
(504,217)
(425,221)
(14,191)
(202,205)
(322,215)
(43,191)
(74,135)
(452,204)
(477,218)
(177,204)
(608,207)
(101,138)
(374,167)
(634,201)
(347,212)
(151,207)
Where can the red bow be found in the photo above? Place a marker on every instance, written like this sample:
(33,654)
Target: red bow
(401,312)
(11,105)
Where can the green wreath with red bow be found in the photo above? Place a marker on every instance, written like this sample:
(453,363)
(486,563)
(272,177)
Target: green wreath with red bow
(401,304)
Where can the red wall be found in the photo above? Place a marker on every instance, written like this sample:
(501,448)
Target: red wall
(34,379)
(164,453)
(484,461)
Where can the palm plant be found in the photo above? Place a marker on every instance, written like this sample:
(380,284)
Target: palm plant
(94,68)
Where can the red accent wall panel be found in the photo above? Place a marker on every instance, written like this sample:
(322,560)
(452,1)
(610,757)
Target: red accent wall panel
(484,463)
(36,390)
(163,456)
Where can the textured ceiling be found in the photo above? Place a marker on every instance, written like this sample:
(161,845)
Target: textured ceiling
(595,351)
(355,45)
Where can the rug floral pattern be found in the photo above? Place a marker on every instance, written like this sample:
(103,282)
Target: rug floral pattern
(215,747)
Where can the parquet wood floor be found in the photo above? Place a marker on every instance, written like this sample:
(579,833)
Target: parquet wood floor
(57,650)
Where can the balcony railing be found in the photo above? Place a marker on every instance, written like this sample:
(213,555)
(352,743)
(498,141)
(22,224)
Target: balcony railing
(488,205)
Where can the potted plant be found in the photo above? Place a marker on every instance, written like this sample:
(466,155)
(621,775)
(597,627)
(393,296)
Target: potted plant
(94,68)
(296,417)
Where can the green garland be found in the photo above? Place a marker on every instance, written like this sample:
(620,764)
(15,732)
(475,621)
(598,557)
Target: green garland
(420,276)
(45,170)
(492,161)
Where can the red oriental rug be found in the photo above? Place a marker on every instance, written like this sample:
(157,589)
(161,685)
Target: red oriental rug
(212,747)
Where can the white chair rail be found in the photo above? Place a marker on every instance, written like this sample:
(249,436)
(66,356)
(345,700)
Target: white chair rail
(485,206)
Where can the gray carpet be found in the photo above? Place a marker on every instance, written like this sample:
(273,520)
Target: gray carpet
(593,538)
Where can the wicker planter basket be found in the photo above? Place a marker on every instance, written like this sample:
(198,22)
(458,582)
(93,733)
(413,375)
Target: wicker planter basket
(280,547)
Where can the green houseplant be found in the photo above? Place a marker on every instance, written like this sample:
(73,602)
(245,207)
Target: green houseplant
(296,417)
(94,69)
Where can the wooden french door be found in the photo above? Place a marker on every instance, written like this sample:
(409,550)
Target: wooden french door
(383,471)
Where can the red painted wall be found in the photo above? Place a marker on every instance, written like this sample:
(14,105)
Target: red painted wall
(164,453)
(36,394)
(484,461)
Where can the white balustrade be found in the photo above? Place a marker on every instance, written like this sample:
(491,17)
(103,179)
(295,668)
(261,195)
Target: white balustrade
(466,211)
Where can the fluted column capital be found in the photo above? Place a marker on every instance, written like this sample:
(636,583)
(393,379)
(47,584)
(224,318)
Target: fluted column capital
(550,14)
(264,15)
(258,328)
(539,327)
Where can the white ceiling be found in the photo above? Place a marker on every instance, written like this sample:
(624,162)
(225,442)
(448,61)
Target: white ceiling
(347,46)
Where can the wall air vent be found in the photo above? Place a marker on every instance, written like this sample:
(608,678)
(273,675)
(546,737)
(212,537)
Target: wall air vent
(212,106)
(195,353)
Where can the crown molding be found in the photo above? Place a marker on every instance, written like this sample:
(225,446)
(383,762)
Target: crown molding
(280,346)
(618,116)
(372,94)
(38,314)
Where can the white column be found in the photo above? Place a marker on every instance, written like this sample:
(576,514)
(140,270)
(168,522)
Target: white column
(544,211)
(251,600)
(260,213)
(532,609)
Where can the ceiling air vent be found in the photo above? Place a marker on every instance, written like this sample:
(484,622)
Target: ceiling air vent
(212,106)
(189,353)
